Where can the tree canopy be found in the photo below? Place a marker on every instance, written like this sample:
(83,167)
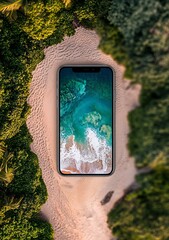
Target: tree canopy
(136,34)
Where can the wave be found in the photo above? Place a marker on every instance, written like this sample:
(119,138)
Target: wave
(93,157)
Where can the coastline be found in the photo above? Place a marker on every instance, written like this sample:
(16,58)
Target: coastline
(73,206)
(83,166)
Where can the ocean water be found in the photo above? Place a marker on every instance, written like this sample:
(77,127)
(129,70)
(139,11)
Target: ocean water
(86,121)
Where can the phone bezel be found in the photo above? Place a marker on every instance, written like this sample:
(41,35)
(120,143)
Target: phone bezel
(113,118)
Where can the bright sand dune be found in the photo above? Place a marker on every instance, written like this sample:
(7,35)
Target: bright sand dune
(73,206)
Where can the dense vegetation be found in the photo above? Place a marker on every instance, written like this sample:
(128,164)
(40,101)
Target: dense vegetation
(136,34)
(143,214)
(22,190)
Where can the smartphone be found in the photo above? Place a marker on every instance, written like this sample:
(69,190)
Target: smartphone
(86,120)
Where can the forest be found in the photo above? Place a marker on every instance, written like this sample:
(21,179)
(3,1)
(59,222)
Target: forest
(141,28)
(136,34)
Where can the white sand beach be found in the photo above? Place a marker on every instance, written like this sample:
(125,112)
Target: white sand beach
(73,206)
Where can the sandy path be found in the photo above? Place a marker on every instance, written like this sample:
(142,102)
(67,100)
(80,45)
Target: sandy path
(73,206)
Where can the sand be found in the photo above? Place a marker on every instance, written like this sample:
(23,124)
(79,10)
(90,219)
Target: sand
(73,206)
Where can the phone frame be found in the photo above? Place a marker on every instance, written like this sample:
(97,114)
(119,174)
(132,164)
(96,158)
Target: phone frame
(113,119)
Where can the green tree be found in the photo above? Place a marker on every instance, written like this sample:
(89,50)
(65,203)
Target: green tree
(67,2)
(8,203)
(2,149)
(143,49)
(10,7)
(6,173)
(144,214)
(133,18)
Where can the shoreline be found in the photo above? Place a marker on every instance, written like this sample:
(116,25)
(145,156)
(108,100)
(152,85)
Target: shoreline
(83,166)
(73,206)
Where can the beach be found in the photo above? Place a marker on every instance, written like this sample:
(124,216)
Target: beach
(73,206)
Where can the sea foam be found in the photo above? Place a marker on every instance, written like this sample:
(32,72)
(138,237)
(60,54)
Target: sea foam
(95,150)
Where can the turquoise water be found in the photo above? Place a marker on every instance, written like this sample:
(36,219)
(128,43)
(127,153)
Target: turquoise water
(86,103)
(89,111)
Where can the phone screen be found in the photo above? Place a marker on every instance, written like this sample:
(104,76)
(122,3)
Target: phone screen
(86,120)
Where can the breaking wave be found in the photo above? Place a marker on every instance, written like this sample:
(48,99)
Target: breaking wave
(95,152)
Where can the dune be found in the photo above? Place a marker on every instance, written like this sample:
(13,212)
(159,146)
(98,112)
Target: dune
(74,203)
